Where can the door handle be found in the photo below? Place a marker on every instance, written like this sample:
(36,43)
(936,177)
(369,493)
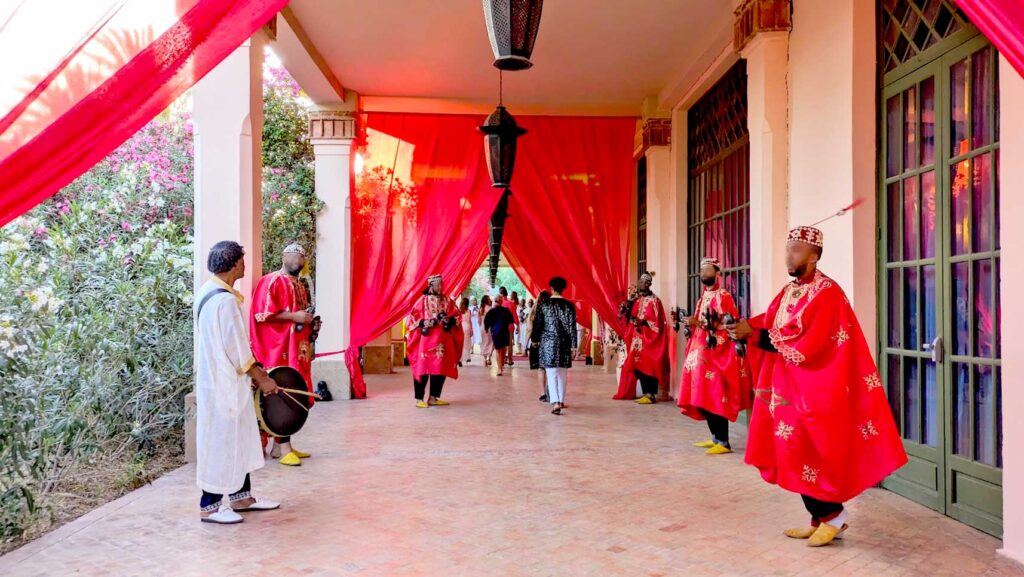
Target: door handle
(935,348)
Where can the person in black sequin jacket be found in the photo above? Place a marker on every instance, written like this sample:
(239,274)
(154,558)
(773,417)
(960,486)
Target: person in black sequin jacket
(554,329)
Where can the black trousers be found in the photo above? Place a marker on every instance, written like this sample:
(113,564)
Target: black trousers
(718,425)
(436,384)
(648,384)
(212,498)
(821,510)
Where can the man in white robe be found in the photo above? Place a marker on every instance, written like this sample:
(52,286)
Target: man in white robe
(227,437)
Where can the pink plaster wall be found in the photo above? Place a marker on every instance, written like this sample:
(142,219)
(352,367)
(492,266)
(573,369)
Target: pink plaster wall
(832,140)
(1011,208)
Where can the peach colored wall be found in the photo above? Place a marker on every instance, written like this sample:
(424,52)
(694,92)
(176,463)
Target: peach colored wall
(1011,207)
(832,139)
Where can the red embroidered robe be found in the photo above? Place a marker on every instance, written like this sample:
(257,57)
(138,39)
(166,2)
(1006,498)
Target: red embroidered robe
(277,343)
(821,425)
(646,346)
(717,379)
(437,352)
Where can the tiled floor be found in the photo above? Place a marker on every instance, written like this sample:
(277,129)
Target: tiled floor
(495,485)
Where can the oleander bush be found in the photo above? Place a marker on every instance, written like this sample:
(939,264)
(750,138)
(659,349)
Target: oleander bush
(96,313)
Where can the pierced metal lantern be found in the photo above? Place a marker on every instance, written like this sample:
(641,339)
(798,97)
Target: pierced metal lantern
(512,27)
(496,232)
(501,132)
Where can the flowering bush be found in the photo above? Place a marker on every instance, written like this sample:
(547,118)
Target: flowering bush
(95,321)
(96,313)
(290,206)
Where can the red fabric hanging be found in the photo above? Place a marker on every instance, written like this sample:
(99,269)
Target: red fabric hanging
(571,205)
(110,68)
(420,207)
(534,265)
(423,200)
(1002,22)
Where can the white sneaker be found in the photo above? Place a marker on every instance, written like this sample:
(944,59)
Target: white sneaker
(224,516)
(260,505)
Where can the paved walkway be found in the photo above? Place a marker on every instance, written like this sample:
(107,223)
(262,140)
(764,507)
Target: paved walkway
(496,485)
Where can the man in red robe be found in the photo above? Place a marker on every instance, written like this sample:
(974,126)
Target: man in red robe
(821,425)
(716,379)
(281,325)
(433,342)
(646,342)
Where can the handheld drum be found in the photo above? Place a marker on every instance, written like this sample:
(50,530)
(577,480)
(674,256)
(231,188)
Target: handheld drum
(284,414)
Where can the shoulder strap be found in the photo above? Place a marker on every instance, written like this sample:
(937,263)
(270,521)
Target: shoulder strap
(206,299)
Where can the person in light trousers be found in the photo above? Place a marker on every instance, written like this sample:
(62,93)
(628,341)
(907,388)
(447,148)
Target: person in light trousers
(554,330)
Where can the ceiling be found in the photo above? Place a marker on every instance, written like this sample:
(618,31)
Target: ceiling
(599,57)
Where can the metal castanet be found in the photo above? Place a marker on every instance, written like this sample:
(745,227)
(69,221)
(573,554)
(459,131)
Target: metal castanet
(741,346)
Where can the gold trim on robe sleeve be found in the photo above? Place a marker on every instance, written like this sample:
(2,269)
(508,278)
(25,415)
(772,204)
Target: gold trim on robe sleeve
(248,365)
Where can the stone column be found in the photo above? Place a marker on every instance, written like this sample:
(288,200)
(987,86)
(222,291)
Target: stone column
(655,138)
(660,203)
(228,114)
(767,56)
(331,134)
(678,234)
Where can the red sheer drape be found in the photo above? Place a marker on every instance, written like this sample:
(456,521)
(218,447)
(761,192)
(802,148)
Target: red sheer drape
(420,207)
(571,205)
(1002,22)
(423,199)
(93,76)
(535,266)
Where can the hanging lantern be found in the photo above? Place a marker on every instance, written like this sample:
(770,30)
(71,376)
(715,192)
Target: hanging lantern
(512,27)
(501,131)
(497,230)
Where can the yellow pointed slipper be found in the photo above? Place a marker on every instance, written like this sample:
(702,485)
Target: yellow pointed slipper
(644,401)
(301,454)
(825,534)
(800,532)
(291,460)
(705,444)
(421,405)
(440,403)
(718,450)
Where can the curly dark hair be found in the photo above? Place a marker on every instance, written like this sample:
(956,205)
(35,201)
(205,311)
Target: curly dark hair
(224,256)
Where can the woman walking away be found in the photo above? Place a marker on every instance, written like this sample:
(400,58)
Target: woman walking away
(554,328)
(486,343)
(498,322)
(467,330)
(533,349)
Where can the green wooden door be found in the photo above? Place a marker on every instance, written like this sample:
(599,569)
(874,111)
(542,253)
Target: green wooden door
(939,281)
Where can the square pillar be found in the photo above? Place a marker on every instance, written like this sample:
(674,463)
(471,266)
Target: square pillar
(331,133)
(655,138)
(1011,208)
(767,56)
(228,115)
(227,110)
(678,234)
(833,128)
